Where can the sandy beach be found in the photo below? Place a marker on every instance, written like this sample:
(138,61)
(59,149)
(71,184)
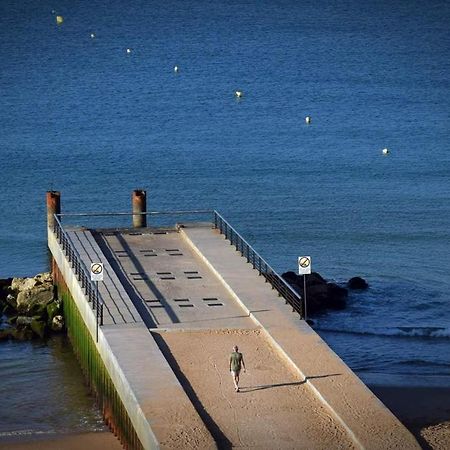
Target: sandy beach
(425,411)
(92,441)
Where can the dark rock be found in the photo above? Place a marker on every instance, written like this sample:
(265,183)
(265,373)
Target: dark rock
(357,283)
(23,321)
(320,295)
(337,296)
(35,300)
(12,320)
(53,309)
(22,334)
(57,323)
(290,277)
(5,284)
(5,334)
(39,327)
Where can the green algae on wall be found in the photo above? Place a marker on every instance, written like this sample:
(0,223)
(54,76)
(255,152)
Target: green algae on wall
(95,372)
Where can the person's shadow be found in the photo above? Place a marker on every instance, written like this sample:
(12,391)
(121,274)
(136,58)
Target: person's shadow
(244,389)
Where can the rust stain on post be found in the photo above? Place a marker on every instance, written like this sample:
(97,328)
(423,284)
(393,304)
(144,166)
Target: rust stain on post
(139,201)
(53,206)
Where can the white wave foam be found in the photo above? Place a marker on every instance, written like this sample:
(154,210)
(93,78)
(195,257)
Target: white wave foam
(424,332)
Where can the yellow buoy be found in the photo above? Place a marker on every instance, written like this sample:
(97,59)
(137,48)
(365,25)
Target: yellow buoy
(59,20)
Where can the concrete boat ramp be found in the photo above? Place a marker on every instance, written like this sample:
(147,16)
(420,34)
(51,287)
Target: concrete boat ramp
(175,301)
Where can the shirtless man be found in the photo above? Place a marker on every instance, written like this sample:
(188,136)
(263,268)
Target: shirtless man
(236,362)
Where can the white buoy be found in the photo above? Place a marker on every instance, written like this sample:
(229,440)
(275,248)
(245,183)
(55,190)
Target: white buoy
(92,35)
(385,151)
(128,50)
(175,69)
(239,94)
(308,119)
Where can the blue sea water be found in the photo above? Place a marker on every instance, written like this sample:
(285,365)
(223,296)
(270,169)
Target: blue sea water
(83,116)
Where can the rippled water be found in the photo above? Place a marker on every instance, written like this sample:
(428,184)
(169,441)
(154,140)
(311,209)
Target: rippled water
(43,390)
(82,116)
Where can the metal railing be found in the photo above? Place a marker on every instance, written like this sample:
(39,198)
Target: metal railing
(282,287)
(81,271)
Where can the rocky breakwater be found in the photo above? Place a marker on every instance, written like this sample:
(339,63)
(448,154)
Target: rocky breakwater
(321,294)
(29,308)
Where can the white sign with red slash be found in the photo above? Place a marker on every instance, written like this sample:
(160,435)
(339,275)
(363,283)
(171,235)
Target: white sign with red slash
(304,265)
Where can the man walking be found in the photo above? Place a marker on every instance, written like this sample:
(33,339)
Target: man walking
(236,362)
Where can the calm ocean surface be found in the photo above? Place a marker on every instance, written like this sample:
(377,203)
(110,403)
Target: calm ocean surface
(82,116)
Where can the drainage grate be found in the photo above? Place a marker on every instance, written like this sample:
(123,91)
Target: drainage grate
(159,232)
(210,299)
(120,251)
(163,273)
(154,303)
(180,300)
(140,278)
(134,234)
(194,277)
(189,272)
(215,304)
(123,256)
(146,250)
(167,278)
(190,305)
(138,273)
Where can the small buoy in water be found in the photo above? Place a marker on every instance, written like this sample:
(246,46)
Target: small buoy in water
(175,69)
(92,35)
(59,20)
(238,94)
(308,119)
(128,50)
(385,151)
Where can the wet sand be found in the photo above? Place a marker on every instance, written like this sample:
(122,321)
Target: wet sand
(425,411)
(88,441)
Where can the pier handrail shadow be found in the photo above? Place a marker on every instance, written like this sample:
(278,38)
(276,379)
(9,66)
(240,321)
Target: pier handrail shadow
(245,389)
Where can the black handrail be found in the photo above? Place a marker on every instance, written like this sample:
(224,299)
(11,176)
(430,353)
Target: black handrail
(258,263)
(80,269)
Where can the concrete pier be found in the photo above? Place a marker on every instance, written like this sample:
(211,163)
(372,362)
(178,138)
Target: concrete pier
(176,299)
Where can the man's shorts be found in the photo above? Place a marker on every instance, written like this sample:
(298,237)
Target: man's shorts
(235,373)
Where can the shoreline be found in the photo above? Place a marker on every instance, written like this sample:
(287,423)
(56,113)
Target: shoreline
(425,411)
(97,440)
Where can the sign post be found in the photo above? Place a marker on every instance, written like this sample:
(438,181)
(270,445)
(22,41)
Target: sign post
(304,268)
(97,275)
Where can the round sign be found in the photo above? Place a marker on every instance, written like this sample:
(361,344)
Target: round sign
(97,269)
(304,262)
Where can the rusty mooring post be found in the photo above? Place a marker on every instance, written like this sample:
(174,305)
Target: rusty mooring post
(53,207)
(139,200)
